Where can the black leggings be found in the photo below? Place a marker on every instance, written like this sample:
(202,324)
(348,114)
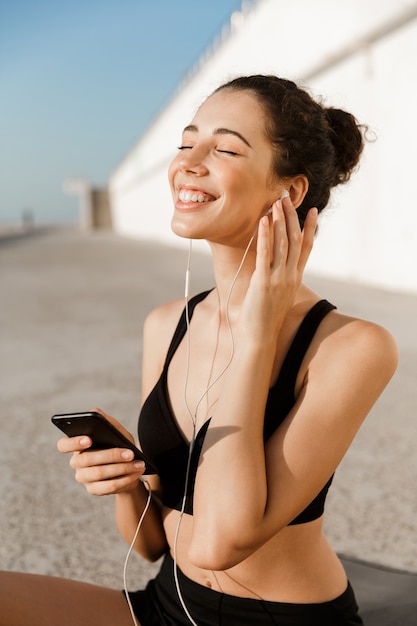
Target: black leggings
(159,605)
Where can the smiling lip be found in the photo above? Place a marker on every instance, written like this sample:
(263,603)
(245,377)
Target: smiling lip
(191,198)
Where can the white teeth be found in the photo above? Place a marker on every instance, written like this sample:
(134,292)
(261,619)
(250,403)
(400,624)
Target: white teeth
(192,196)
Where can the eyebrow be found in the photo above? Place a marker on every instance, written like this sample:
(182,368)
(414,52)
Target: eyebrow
(220,131)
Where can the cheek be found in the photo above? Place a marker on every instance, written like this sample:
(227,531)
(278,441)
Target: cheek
(253,191)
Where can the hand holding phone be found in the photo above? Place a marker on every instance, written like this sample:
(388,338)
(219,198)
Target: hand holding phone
(102,433)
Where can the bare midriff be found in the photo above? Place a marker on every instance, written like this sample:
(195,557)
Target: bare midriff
(297,565)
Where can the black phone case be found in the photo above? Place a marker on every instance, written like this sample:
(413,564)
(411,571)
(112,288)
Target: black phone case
(103,434)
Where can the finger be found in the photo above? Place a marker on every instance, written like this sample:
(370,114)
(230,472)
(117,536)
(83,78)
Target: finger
(280,235)
(113,486)
(73,444)
(293,230)
(309,231)
(263,255)
(98,473)
(108,456)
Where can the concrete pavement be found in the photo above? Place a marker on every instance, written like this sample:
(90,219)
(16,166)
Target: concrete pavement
(72,308)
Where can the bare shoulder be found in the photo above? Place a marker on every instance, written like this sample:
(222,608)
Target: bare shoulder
(349,363)
(158,329)
(360,344)
(161,322)
(167,313)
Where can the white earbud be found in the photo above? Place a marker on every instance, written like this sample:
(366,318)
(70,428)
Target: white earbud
(284,194)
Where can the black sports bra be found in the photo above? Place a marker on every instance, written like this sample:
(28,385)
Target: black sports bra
(162,441)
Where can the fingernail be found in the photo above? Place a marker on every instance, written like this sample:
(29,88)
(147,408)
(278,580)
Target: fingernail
(85,441)
(139,464)
(284,194)
(127,455)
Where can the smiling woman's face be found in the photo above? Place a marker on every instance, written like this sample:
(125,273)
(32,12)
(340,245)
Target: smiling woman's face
(221,180)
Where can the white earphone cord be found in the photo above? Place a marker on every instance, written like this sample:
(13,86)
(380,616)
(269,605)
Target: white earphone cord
(142,517)
(193,417)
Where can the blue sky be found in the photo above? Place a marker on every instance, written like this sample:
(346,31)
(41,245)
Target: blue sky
(80,80)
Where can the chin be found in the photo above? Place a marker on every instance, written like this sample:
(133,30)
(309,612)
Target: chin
(185,231)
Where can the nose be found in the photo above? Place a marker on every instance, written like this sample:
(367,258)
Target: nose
(192,160)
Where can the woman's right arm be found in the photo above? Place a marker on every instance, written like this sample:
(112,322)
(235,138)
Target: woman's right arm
(151,543)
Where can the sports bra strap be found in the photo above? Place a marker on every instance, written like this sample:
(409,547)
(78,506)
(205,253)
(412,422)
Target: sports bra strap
(301,342)
(182,326)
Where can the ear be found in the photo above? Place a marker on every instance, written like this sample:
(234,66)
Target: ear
(297,188)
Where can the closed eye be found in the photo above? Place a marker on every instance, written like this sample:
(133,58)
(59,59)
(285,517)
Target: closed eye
(217,150)
(228,152)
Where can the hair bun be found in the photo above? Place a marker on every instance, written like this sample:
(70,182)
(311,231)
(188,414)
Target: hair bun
(347,139)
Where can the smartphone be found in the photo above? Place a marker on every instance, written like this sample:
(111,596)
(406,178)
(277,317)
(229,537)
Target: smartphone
(103,434)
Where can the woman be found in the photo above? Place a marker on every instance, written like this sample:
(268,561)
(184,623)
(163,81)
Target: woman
(251,399)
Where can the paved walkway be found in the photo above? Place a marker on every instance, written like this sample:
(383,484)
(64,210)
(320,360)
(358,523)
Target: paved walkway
(72,307)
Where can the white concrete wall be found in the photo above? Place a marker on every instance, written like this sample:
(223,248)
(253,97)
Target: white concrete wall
(360,55)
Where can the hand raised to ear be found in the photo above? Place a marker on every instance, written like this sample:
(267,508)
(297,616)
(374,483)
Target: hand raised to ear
(282,253)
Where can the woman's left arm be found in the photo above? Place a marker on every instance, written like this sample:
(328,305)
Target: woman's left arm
(245,493)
